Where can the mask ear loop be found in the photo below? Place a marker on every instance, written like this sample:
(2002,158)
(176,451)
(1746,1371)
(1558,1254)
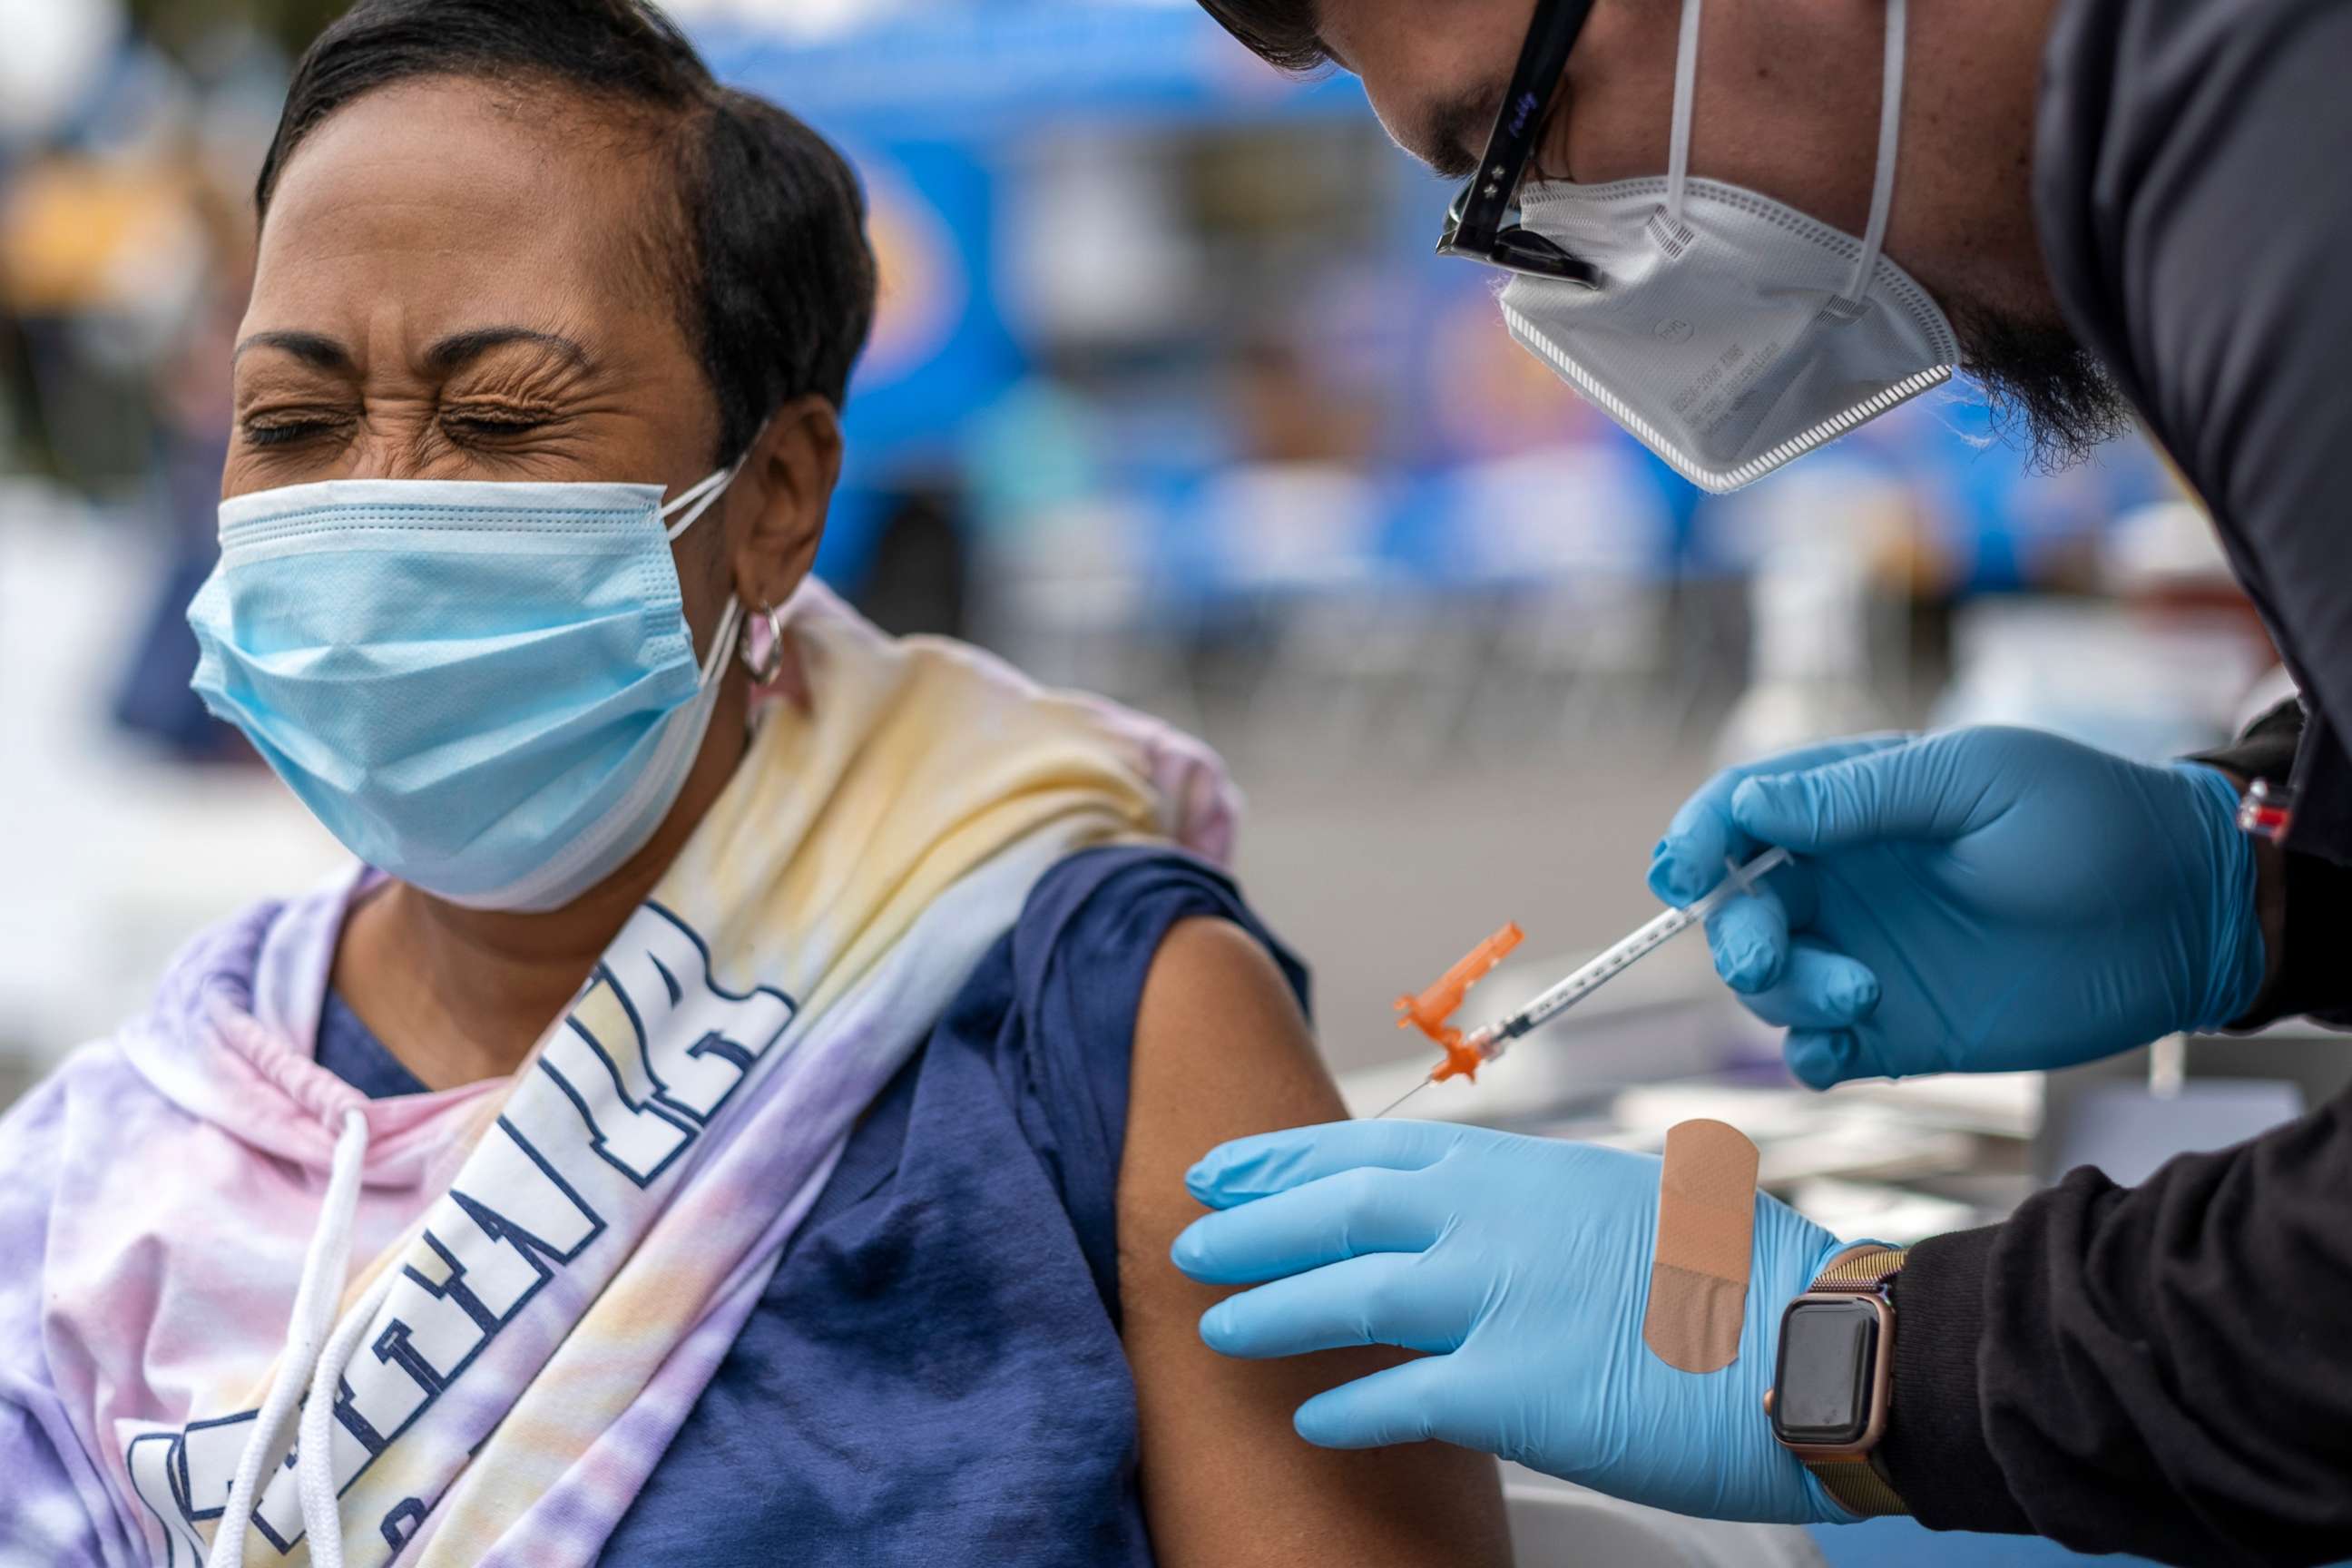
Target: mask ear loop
(1890,146)
(724,642)
(697,498)
(1686,105)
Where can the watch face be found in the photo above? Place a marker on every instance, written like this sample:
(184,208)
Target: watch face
(1827,1352)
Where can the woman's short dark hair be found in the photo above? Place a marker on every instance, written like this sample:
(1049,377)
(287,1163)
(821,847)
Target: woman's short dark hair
(775,276)
(1285,33)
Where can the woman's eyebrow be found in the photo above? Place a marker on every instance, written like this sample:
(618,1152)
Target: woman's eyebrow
(310,348)
(460,349)
(451,352)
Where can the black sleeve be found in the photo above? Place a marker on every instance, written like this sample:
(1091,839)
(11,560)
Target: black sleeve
(2164,1369)
(2193,190)
(2168,1369)
(2313,979)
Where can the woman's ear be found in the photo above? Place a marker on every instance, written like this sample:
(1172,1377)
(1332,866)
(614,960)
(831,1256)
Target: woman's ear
(793,467)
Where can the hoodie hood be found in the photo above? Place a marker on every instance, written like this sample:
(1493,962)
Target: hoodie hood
(232,1040)
(159,1197)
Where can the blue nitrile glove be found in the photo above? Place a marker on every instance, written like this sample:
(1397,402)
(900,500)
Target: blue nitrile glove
(1524,1265)
(1978,901)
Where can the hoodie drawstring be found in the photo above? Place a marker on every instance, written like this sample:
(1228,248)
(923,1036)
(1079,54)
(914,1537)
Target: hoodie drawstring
(314,1440)
(323,1269)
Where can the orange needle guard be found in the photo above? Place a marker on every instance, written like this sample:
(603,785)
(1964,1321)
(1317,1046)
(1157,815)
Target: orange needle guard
(1429,1011)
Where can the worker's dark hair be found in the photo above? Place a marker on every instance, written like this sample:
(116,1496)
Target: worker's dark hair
(770,261)
(1285,33)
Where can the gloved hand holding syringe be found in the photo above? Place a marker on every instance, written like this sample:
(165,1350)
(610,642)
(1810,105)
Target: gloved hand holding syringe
(1466,1053)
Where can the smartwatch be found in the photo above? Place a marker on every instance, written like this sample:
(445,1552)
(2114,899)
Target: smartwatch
(1834,1378)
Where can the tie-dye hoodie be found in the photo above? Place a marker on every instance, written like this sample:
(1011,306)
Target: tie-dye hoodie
(542,1270)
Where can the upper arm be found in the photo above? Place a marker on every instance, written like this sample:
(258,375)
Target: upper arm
(2238,243)
(2208,223)
(1220,1051)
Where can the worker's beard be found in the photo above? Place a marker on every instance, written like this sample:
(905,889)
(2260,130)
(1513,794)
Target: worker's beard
(2049,394)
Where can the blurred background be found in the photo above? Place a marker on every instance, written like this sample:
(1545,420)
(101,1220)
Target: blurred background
(1170,399)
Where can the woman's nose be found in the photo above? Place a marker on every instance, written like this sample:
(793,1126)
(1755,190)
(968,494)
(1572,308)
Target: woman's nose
(397,442)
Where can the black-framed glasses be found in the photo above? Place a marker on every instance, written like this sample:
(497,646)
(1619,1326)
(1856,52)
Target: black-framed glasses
(1483,224)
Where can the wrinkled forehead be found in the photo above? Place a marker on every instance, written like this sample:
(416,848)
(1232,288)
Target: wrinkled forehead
(453,195)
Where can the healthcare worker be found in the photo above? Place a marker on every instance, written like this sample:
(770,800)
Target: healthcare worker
(1743,233)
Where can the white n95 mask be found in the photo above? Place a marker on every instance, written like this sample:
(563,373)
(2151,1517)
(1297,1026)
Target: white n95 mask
(1731,333)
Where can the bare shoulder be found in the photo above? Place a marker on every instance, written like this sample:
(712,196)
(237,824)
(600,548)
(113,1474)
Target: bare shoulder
(1220,1034)
(1222,1049)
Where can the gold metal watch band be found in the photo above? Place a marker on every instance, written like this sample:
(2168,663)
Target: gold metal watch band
(1857,1484)
(1858,1488)
(1861,1269)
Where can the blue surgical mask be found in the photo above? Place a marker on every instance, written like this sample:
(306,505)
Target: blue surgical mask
(487,691)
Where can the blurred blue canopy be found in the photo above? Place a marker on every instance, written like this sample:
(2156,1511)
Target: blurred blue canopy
(980,69)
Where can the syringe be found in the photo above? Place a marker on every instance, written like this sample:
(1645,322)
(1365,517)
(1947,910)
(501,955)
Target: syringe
(1491,1042)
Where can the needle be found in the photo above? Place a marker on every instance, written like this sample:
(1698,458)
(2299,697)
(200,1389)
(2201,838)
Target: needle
(1400,1099)
(1465,1055)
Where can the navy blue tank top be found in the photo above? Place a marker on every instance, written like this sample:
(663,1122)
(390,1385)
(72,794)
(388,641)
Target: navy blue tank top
(934,1376)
